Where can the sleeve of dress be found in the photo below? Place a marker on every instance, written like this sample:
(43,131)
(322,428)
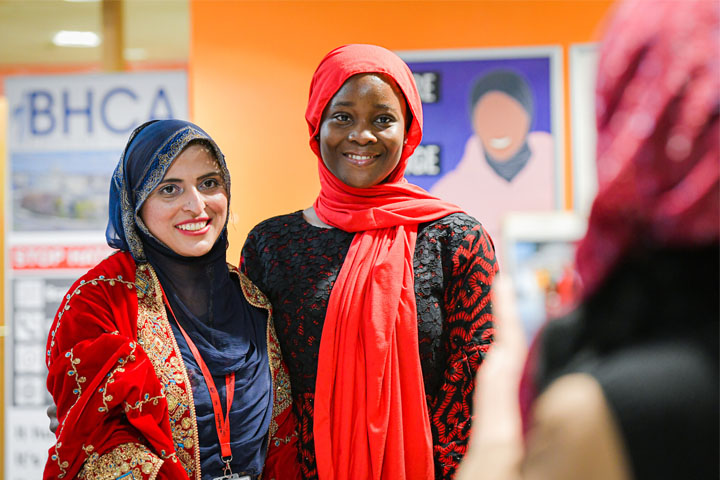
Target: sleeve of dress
(466,337)
(281,462)
(111,407)
(250,261)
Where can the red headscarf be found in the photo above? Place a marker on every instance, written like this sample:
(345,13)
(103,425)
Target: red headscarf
(371,419)
(658,99)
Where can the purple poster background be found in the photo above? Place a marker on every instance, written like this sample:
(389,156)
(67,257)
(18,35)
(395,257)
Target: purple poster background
(447,121)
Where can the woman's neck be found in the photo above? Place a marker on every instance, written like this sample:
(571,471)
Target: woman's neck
(311,217)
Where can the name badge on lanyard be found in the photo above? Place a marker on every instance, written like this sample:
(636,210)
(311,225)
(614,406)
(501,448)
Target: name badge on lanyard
(233,476)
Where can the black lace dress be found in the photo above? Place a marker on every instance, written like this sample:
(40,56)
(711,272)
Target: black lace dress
(295,264)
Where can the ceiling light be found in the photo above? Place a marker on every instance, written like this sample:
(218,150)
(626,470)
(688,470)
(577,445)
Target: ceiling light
(136,54)
(66,38)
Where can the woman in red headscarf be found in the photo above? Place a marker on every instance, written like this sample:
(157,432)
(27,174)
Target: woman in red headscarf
(380,291)
(627,385)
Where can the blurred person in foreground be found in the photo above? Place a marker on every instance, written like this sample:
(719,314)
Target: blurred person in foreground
(626,386)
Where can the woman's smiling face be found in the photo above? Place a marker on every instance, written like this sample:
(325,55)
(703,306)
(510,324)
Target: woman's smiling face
(188,209)
(362,131)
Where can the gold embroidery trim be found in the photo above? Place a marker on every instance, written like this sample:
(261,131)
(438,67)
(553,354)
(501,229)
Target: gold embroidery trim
(156,338)
(280,378)
(132,458)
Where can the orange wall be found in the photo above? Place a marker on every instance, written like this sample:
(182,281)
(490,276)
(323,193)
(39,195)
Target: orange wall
(251,64)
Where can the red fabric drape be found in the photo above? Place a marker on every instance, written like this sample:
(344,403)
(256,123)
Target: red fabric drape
(371,418)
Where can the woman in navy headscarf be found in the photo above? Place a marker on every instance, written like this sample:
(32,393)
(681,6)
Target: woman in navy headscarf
(162,358)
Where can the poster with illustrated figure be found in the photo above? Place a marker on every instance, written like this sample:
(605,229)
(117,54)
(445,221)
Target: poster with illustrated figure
(492,140)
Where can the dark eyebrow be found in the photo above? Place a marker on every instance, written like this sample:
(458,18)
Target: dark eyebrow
(379,106)
(214,173)
(169,180)
(201,177)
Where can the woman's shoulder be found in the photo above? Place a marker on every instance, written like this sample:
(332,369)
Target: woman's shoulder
(102,300)
(294,219)
(455,222)
(459,240)
(454,228)
(100,282)
(99,285)
(118,265)
(250,291)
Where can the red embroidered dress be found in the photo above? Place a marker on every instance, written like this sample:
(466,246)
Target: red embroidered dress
(122,390)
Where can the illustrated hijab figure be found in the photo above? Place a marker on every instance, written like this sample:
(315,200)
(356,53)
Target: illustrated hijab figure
(501,114)
(371,417)
(173,230)
(506,166)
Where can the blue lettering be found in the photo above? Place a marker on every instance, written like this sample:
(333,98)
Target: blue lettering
(103,110)
(37,112)
(161,96)
(18,124)
(87,111)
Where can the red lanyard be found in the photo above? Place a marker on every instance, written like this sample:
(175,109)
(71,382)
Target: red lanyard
(222,424)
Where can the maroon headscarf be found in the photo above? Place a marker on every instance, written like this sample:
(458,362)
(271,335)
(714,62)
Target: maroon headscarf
(658,99)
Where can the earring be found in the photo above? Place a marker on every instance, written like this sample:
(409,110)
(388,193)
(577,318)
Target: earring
(405,142)
(317,138)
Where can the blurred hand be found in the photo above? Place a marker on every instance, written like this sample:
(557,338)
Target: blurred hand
(496,446)
(52,415)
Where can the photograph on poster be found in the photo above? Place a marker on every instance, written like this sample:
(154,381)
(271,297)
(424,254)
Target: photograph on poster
(492,139)
(539,256)
(65,134)
(61,190)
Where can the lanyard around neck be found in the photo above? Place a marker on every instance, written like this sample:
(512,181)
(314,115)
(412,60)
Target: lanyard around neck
(222,423)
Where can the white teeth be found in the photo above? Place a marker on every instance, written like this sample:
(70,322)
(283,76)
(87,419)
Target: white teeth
(192,227)
(500,142)
(359,157)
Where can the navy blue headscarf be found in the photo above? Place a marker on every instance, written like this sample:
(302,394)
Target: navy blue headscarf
(229,333)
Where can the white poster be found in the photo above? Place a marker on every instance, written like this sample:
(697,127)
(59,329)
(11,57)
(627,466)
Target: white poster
(583,69)
(65,136)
